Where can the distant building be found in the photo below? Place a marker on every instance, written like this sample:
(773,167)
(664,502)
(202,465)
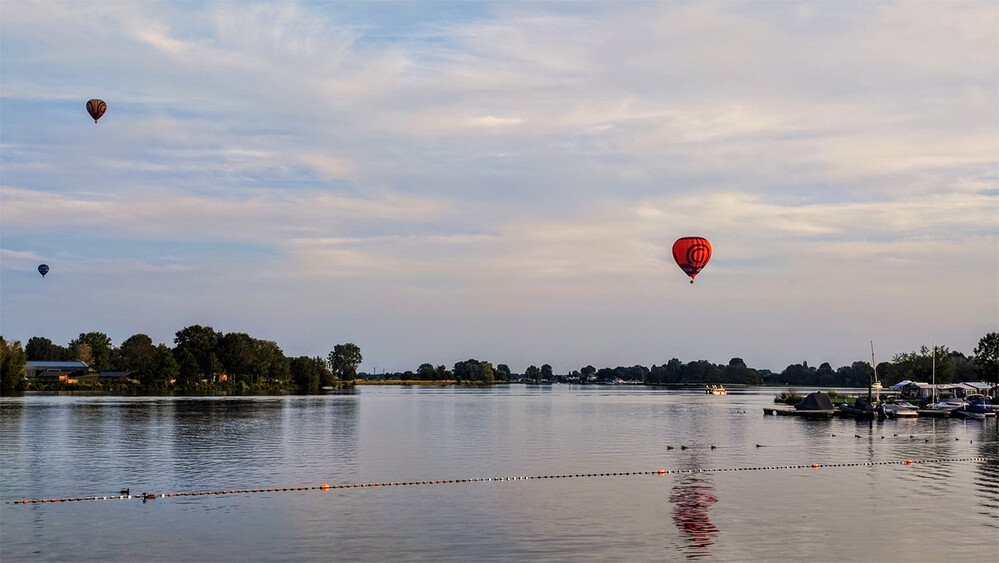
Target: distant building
(920,390)
(55,377)
(44,371)
(972,388)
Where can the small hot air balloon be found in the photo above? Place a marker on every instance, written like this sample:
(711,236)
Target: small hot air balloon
(691,254)
(96,109)
(43,269)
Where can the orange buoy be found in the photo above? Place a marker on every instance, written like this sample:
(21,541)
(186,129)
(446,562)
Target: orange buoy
(662,471)
(908,462)
(815,465)
(325,486)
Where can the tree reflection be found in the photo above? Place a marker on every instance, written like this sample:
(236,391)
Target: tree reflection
(692,497)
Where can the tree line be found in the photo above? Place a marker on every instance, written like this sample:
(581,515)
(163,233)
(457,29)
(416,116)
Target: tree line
(201,358)
(951,366)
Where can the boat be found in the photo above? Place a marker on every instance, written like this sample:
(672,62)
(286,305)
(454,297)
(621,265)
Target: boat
(975,406)
(867,409)
(949,404)
(901,410)
(716,390)
(817,405)
(964,413)
(863,409)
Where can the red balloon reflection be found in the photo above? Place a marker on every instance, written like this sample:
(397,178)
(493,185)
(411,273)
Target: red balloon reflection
(692,497)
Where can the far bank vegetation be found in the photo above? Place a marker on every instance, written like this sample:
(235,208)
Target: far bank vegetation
(203,360)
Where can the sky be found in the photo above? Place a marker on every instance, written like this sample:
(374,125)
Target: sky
(503,181)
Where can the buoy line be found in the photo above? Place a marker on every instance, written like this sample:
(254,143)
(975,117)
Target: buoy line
(327,486)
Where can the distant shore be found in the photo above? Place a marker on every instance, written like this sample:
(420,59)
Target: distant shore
(438,383)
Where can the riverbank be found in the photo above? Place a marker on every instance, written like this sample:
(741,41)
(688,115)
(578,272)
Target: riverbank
(434,383)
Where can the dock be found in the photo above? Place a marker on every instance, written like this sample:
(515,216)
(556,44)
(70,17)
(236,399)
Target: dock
(933,413)
(782,411)
(831,413)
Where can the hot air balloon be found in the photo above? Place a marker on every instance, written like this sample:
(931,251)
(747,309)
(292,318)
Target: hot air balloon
(43,269)
(96,109)
(691,254)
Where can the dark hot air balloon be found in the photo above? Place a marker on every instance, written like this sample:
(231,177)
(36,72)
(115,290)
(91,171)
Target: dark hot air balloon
(691,254)
(43,269)
(96,109)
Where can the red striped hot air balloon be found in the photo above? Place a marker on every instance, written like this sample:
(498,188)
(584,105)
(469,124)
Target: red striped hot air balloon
(96,109)
(691,254)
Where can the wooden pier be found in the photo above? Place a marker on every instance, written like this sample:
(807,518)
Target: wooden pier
(783,411)
(831,413)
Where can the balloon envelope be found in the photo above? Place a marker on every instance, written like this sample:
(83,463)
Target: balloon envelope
(43,269)
(96,109)
(692,254)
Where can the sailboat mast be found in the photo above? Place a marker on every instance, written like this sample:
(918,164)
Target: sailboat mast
(874,366)
(934,371)
(870,378)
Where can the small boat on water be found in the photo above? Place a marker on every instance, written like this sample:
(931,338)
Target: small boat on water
(862,409)
(816,405)
(901,410)
(962,413)
(716,390)
(949,404)
(975,407)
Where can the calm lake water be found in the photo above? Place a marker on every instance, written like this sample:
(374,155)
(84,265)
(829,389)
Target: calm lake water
(867,507)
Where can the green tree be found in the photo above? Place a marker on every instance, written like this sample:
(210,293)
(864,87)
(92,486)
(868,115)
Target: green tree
(236,352)
(738,372)
(533,373)
(460,371)
(305,374)
(885,371)
(859,374)
(546,372)
(344,360)
(84,354)
(12,362)
(702,371)
(798,374)
(824,374)
(136,354)
(481,371)
(965,368)
(326,377)
(101,349)
(442,374)
(200,342)
(426,372)
(271,363)
(188,374)
(987,357)
(919,366)
(672,372)
(39,349)
(503,372)
(163,369)
(474,370)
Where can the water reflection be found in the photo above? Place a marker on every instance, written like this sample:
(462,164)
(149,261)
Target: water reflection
(79,446)
(987,474)
(692,497)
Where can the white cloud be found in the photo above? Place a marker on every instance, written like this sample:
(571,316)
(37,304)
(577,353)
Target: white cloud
(522,160)
(263,217)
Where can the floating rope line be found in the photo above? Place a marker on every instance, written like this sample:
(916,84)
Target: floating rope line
(327,486)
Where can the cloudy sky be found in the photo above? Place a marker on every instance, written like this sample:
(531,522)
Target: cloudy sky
(438,181)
